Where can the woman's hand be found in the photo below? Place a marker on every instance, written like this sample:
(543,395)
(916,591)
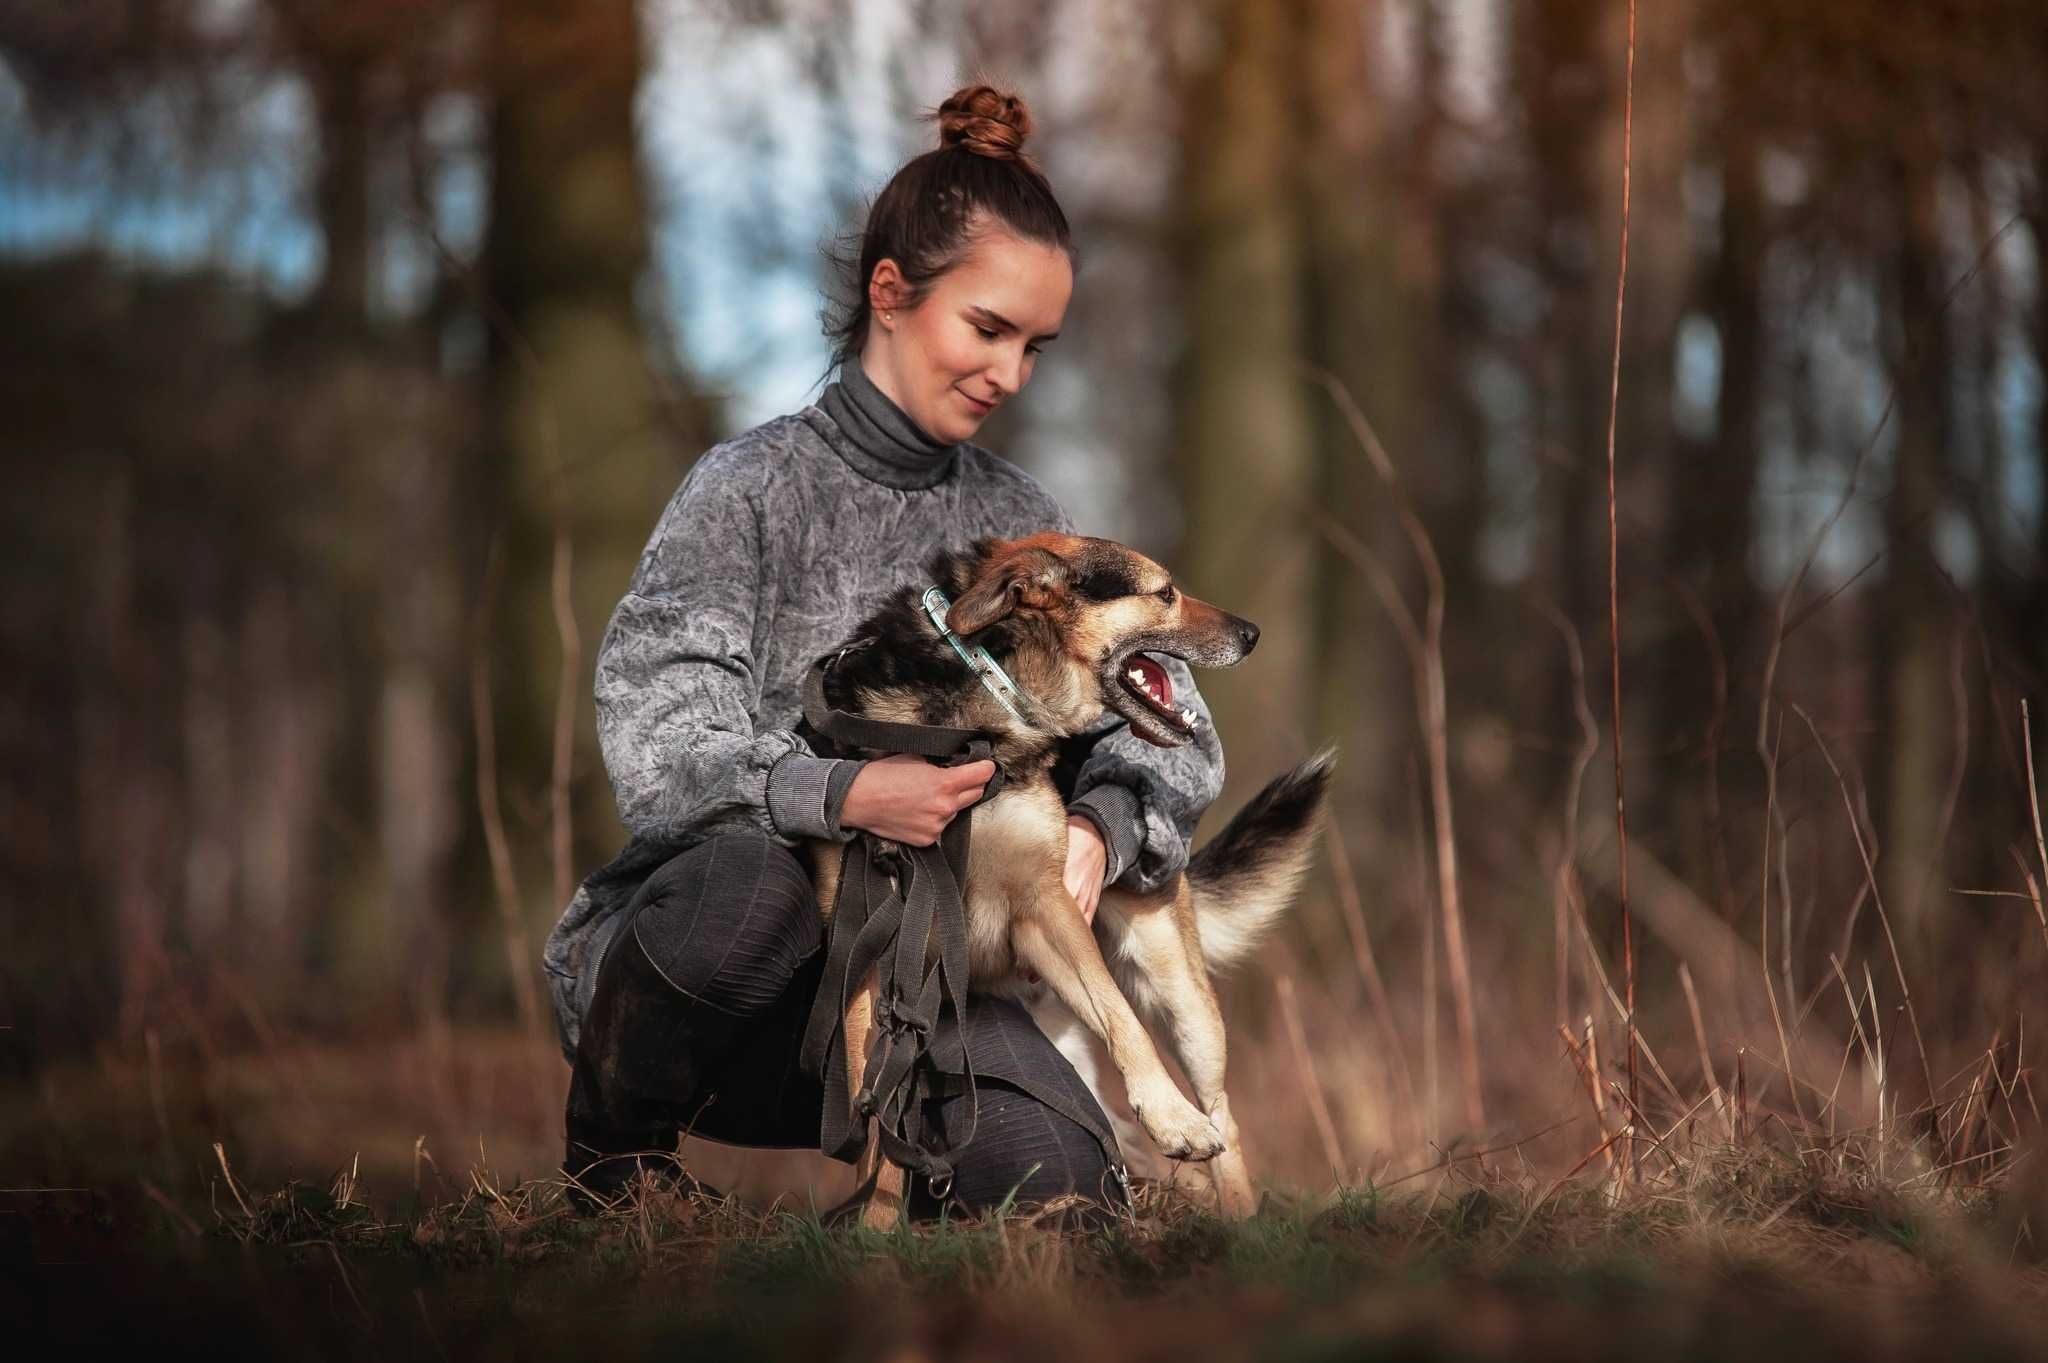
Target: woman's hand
(1087,859)
(906,799)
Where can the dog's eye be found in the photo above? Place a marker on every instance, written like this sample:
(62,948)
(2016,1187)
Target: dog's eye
(1166,593)
(1102,586)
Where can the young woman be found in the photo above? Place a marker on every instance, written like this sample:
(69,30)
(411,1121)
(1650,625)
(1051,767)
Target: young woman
(683,973)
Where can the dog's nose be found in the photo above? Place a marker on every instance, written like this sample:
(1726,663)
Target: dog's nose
(1249,634)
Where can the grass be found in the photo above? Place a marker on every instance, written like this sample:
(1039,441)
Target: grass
(273,1243)
(1751,1252)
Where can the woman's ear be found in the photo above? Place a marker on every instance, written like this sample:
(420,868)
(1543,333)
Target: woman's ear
(1033,578)
(887,289)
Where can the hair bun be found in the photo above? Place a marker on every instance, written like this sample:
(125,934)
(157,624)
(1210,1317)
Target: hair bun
(986,121)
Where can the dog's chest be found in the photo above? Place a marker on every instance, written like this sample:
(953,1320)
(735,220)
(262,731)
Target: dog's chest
(1019,841)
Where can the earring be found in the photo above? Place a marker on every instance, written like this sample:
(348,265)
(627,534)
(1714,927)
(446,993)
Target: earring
(888,317)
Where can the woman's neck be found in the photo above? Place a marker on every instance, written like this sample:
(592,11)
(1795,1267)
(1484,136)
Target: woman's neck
(882,442)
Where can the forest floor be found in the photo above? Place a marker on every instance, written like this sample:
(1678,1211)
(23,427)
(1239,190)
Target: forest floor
(127,1223)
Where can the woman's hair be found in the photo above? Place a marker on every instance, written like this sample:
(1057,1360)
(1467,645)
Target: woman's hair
(924,218)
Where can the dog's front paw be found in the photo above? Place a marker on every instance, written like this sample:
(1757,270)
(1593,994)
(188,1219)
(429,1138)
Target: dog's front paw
(1177,1126)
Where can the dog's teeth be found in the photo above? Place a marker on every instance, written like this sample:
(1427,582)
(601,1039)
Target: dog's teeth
(1136,674)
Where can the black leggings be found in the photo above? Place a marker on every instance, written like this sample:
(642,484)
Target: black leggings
(699,1014)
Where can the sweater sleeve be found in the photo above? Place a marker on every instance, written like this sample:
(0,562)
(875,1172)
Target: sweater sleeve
(677,685)
(1146,800)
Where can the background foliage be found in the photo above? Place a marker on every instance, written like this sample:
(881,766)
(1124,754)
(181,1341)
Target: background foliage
(352,350)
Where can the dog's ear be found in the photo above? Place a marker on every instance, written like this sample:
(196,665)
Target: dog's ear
(1027,578)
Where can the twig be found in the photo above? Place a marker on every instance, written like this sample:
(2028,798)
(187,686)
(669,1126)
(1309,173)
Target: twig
(1772,818)
(1368,964)
(1325,1128)
(1628,949)
(503,879)
(1741,1096)
(1876,896)
(220,1153)
(1450,1160)
(1637,1122)
(1599,974)
(1699,1035)
(2033,894)
(1425,649)
(1588,1076)
(1564,883)
(1857,1037)
(1431,1089)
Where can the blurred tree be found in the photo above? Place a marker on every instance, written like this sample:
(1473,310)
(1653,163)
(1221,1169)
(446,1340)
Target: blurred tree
(583,446)
(1713,478)
(1246,440)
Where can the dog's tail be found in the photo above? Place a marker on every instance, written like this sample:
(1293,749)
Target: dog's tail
(1244,878)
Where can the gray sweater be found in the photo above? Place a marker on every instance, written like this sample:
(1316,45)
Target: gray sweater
(779,541)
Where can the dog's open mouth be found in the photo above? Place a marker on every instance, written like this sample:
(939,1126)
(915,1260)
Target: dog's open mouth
(1147,680)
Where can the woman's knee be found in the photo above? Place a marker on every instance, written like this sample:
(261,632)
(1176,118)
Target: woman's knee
(1027,1134)
(1023,1152)
(729,920)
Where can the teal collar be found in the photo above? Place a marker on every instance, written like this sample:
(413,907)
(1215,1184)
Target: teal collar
(998,682)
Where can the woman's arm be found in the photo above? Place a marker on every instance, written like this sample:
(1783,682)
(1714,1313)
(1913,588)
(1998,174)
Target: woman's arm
(677,684)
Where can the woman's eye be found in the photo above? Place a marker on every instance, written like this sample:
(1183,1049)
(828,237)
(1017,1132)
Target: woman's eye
(1034,350)
(985,333)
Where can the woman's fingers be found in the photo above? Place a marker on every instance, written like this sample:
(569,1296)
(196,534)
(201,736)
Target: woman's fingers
(974,774)
(969,781)
(906,799)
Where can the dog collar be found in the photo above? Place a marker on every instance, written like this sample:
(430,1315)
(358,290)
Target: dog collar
(1006,692)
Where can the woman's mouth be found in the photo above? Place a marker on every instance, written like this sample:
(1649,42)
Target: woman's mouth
(980,408)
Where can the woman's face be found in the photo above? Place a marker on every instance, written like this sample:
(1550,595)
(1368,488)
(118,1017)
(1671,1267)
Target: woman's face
(971,344)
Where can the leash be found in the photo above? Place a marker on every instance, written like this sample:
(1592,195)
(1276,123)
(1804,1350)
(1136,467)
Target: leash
(894,904)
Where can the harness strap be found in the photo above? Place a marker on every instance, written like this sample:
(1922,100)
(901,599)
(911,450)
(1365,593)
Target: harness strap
(877,735)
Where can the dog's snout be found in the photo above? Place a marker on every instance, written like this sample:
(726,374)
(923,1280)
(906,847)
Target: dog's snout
(1248,634)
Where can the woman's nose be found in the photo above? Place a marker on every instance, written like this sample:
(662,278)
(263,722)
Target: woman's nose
(1006,375)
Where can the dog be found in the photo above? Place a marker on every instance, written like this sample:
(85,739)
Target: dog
(1073,618)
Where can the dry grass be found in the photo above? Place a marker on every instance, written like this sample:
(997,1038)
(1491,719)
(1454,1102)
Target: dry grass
(392,1245)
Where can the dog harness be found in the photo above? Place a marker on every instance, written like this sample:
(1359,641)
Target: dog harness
(901,912)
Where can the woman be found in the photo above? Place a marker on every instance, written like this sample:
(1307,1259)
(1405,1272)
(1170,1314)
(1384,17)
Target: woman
(683,972)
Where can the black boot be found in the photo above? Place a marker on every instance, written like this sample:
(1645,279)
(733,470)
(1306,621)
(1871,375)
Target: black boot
(634,1086)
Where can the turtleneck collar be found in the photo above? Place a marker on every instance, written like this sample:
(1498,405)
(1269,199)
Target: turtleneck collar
(882,443)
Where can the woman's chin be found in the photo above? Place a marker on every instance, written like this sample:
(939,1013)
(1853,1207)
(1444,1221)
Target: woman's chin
(953,431)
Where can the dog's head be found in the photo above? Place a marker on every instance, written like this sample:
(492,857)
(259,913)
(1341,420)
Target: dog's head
(1104,606)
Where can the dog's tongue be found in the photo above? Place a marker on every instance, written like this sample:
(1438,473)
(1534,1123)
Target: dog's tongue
(1155,678)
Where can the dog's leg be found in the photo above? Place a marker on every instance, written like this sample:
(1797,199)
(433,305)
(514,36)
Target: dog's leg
(1086,1053)
(885,1202)
(1161,944)
(1052,939)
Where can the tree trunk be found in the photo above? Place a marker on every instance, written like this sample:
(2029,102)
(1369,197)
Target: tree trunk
(577,442)
(1247,435)
(1915,616)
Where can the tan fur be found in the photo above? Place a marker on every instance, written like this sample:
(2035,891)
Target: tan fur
(1145,949)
